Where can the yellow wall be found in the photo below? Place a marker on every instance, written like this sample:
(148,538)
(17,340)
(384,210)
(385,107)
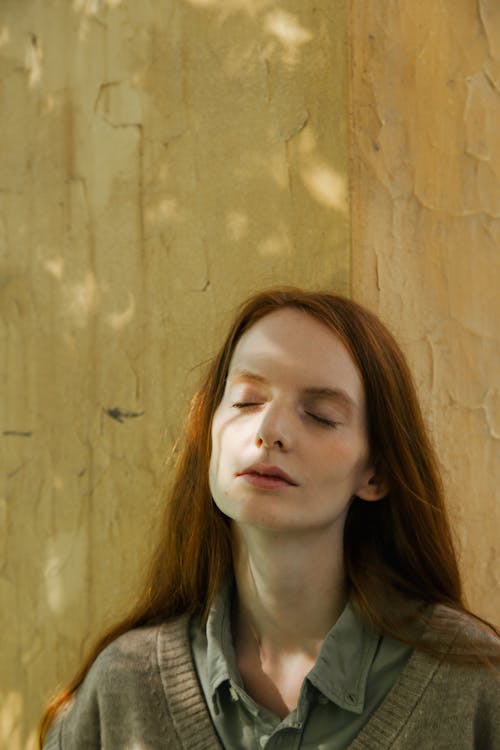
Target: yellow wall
(156,165)
(158,162)
(425,210)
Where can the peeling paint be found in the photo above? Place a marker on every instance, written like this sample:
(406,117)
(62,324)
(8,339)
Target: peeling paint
(297,128)
(34,61)
(156,167)
(492,411)
(425,211)
(119,105)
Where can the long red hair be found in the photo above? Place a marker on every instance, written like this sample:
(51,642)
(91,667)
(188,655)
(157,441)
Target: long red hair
(399,546)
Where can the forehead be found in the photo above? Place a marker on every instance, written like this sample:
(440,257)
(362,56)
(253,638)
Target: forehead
(293,345)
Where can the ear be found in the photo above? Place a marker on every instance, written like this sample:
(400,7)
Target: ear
(374,487)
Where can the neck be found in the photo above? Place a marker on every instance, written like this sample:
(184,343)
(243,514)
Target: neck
(290,590)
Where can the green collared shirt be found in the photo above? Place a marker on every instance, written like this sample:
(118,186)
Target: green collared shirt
(353,673)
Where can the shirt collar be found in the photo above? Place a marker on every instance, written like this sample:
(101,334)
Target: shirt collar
(341,669)
(221,658)
(343,664)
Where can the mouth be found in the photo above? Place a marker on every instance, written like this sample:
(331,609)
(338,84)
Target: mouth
(265,475)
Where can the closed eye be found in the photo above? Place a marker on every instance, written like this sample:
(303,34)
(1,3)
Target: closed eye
(322,420)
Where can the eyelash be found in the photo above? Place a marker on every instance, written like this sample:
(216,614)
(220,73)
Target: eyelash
(319,420)
(322,421)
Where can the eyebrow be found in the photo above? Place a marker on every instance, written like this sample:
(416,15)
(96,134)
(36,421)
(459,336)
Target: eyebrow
(333,394)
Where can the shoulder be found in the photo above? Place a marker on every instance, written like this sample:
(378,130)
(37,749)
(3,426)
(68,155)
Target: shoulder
(122,695)
(464,669)
(130,655)
(137,656)
(461,634)
(449,692)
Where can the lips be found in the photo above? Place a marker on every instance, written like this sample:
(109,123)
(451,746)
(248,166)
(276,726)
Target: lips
(266,471)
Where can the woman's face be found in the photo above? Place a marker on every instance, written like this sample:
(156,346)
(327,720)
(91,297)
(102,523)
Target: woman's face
(289,438)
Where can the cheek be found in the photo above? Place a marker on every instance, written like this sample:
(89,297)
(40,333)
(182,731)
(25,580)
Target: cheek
(229,432)
(213,468)
(221,444)
(215,437)
(212,483)
(340,459)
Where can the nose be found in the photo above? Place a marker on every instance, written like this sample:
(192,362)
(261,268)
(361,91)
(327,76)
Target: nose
(272,431)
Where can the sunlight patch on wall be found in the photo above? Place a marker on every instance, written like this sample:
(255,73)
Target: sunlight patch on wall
(251,7)
(55,266)
(33,60)
(275,244)
(82,299)
(119,320)
(236,225)
(57,482)
(49,104)
(90,7)
(11,714)
(285,28)
(165,211)
(4,36)
(32,741)
(63,570)
(279,170)
(307,141)
(327,186)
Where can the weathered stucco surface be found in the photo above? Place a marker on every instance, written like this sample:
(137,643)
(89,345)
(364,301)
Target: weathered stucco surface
(158,161)
(158,164)
(425,208)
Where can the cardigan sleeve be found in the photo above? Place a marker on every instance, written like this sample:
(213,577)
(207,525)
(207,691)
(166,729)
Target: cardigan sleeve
(52,740)
(76,726)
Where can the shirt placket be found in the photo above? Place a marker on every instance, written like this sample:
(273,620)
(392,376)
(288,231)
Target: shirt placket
(288,734)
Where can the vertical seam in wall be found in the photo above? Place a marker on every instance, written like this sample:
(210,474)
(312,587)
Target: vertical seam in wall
(350,124)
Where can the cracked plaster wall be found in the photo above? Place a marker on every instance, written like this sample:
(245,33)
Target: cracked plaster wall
(158,162)
(156,167)
(425,215)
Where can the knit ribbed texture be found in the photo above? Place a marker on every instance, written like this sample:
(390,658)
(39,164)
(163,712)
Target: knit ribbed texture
(187,706)
(387,722)
(142,691)
(437,702)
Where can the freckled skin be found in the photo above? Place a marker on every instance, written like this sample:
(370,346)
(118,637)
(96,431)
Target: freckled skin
(274,420)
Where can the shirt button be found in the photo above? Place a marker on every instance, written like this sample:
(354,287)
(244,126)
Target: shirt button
(263,740)
(323,699)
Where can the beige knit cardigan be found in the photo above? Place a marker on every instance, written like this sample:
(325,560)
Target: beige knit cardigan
(142,693)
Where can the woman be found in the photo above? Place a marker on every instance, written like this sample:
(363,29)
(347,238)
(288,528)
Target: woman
(305,590)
